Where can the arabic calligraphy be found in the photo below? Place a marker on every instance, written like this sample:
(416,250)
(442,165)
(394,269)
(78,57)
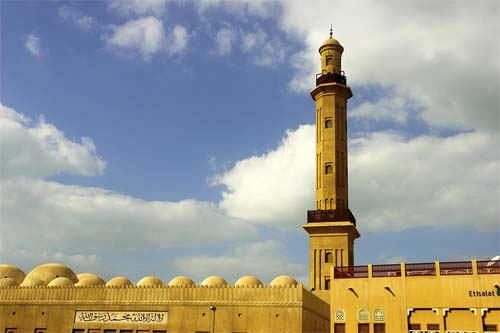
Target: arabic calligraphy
(146,317)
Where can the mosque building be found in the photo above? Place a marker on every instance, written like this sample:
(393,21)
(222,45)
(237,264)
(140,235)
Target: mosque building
(437,297)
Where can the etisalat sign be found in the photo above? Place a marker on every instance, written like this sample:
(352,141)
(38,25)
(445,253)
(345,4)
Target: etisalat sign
(484,293)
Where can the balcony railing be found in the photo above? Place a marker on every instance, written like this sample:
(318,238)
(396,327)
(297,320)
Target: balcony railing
(349,272)
(330,78)
(334,215)
(455,268)
(420,269)
(386,270)
(488,267)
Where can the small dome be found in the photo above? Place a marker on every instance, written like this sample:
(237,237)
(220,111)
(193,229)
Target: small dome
(181,281)
(214,281)
(90,281)
(60,281)
(32,282)
(283,280)
(49,272)
(9,271)
(8,282)
(150,281)
(82,276)
(248,280)
(119,281)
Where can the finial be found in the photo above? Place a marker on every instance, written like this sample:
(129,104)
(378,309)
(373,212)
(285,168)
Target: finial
(331,31)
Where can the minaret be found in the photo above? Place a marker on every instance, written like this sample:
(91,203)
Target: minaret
(331,227)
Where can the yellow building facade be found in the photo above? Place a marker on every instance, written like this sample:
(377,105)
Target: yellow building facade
(53,299)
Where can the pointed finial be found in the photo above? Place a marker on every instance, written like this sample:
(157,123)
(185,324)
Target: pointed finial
(331,31)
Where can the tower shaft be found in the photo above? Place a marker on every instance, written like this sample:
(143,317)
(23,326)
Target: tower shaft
(331,226)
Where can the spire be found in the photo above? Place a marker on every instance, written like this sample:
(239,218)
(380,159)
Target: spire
(331,31)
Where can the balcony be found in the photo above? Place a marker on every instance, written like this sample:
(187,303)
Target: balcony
(331,78)
(334,215)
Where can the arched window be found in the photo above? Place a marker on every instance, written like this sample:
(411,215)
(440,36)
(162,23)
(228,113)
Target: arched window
(329,60)
(327,283)
(328,257)
(379,315)
(328,123)
(339,315)
(363,315)
(328,168)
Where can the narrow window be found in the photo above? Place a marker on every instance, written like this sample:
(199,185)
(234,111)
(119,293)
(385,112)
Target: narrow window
(490,328)
(339,328)
(336,257)
(327,283)
(328,257)
(328,168)
(414,327)
(331,203)
(434,327)
(78,330)
(328,123)
(329,60)
(379,328)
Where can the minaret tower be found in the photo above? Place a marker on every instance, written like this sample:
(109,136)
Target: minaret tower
(331,227)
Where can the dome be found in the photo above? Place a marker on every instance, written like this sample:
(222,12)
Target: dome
(90,281)
(61,281)
(248,280)
(9,271)
(49,272)
(283,281)
(181,281)
(150,281)
(82,276)
(119,281)
(8,282)
(214,281)
(32,282)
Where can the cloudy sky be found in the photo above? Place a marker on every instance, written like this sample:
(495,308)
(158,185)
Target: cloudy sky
(177,138)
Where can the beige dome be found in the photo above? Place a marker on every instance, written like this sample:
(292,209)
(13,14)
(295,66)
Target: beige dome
(283,280)
(150,281)
(248,280)
(331,43)
(49,272)
(90,281)
(214,281)
(82,276)
(8,282)
(9,271)
(119,281)
(32,282)
(181,281)
(61,281)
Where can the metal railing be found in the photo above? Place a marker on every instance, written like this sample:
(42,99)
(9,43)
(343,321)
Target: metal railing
(488,267)
(420,269)
(331,77)
(349,272)
(386,270)
(455,268)
(333,215)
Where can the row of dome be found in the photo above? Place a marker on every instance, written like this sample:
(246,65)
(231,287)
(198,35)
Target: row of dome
(54,275)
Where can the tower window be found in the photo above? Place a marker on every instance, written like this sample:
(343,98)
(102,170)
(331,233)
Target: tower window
(328,257)
(328,168)
(329,60)
(327,283)
(328,123)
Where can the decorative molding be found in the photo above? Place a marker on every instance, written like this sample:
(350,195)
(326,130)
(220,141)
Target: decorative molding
(474,311)
(409,311)
(483,311)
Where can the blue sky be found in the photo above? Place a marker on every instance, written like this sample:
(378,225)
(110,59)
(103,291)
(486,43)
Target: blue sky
(176,138)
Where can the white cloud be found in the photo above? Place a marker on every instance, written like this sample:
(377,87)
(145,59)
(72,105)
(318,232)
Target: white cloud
(224,40)
(435,55)
(276,187)
(138,7)
(32,44)
(69,14)
(144,35)
(147,37)
(41,150)
(267,51)
(394,183)
(178,40)
(59,220)
(264,259)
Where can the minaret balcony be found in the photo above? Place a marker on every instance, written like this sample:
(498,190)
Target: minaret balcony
(331,78)
(332,215)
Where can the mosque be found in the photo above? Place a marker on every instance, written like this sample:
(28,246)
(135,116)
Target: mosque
(434,297)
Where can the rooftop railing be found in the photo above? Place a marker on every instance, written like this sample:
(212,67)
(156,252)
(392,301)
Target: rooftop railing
(333,215)
(419,269)
(330,78)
